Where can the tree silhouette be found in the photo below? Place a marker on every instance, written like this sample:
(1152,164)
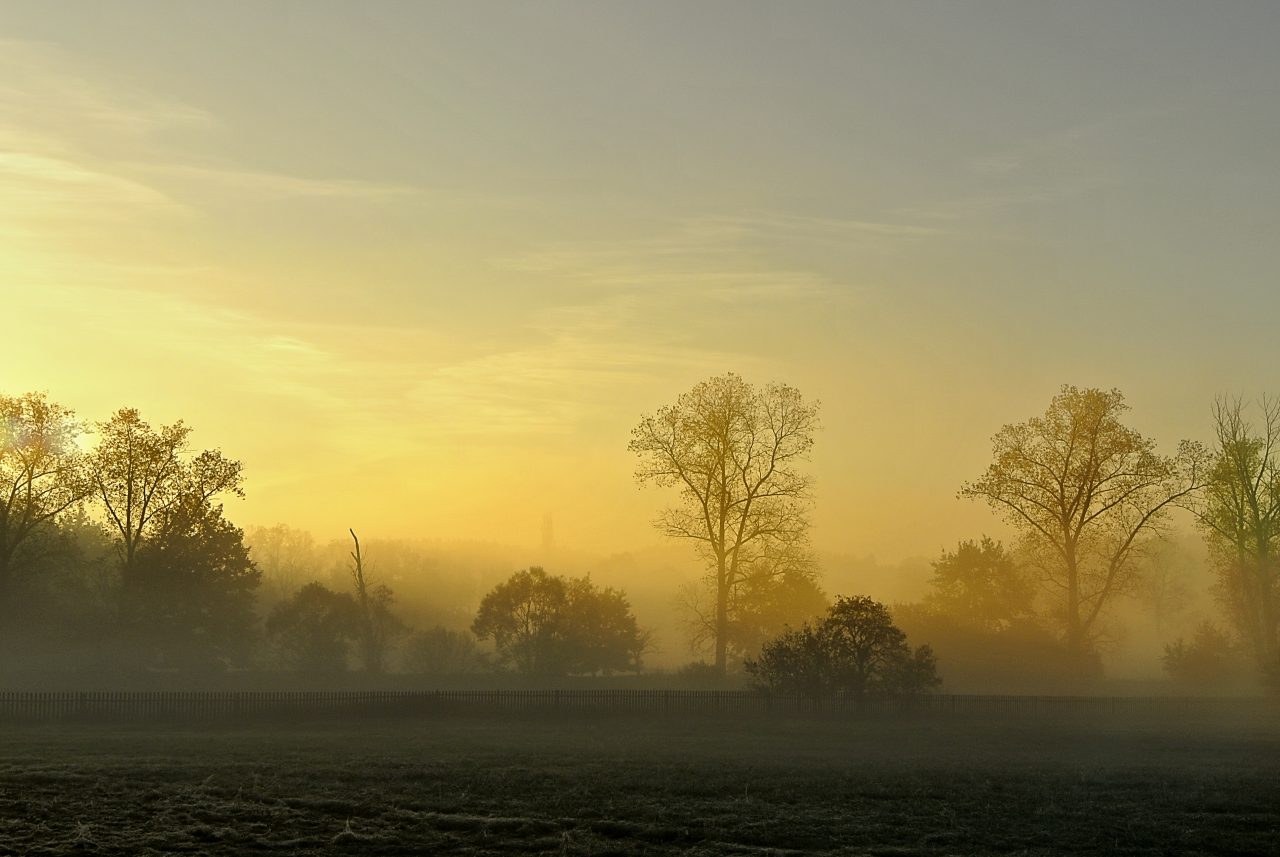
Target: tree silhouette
(185,574)
(41,478)
(191,586)
(855,649)
(378,626)
(139,473)
(314,629)
(543,624)
(983,585)
(733,452)
(1239,512)
(1086,491)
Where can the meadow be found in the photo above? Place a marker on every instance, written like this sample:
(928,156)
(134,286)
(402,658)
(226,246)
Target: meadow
(643,785)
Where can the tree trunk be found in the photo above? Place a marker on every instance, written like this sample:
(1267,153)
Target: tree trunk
(1075,633)
(1266,603)
(722,618)
(722,631)
(6,597)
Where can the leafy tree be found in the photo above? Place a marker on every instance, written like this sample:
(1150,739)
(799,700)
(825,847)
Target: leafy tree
(68,596)
(1239,512)
(41,479)
(190,591)
(186,577)
(441,651)
(768,603)
(982,584)
(314,629)
(1087,492)
(525,618)
(601,630)
(542,624)
(800,660)
(855,649)
(733,452)
(139,474)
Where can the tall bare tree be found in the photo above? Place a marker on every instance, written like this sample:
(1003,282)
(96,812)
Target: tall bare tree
(40,479)
(1240,513)
(378,626)
(1087,491)
(734,454)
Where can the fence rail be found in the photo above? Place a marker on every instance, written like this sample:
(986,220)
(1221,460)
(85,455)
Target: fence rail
(242,705)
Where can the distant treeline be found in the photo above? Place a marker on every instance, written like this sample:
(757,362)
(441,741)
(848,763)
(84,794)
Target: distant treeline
(116,552)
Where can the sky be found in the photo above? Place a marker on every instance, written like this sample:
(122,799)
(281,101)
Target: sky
(422,266)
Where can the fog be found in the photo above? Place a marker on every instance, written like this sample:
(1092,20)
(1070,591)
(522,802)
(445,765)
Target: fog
(634,428)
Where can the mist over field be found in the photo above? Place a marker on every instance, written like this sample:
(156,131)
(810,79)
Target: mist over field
(1120,569)
(651,427)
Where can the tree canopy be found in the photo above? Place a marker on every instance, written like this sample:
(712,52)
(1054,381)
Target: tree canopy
(854,649)
(1239,512)
(733,452)
(41,478)
(981,583)
(543,624)
(140,475)
(313,630)
(1086,491)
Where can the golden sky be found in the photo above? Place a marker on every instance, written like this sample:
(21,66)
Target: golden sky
(422,266)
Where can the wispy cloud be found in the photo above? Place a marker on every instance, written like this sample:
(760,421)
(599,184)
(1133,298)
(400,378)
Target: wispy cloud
(746,258)
(76,145)
(76,150)
(823,228)
(715,244)
(348,382)
(39,188)
(552,387)
(251,184)
(44,90)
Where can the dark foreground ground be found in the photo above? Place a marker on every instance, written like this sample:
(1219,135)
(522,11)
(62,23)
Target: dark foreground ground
(634,786)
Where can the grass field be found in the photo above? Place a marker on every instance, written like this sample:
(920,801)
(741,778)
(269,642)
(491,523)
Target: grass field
(635,786)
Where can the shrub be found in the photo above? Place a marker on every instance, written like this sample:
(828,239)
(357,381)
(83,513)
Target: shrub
(855,649)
